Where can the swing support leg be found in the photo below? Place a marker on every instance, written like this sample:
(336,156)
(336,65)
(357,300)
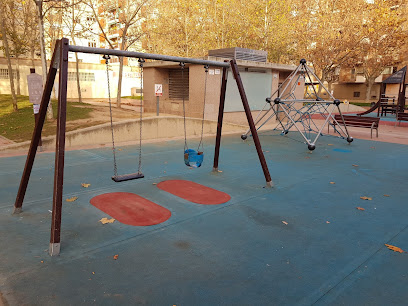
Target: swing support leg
(220,118)
(251,123)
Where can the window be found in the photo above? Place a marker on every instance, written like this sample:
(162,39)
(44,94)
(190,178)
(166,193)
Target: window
(356,94)
(178,84)
(92,44)
(83,76)
(4,74)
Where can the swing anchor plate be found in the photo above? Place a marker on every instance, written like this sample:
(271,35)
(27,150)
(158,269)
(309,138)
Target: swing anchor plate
(127,177)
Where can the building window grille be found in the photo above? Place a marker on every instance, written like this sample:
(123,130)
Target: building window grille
(4,74)
(356,94)
(83,76)
(178,85)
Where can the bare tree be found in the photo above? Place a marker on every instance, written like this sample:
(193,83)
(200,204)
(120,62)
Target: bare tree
(127,16)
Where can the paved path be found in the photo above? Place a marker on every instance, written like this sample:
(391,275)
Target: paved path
(4,141)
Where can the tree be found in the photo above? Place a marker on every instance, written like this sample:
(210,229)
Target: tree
(126,23)
(78,26)
(332,33)
(7,53)
(385,38)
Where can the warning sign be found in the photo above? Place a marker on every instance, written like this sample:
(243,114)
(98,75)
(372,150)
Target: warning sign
(35,88)
(158,90)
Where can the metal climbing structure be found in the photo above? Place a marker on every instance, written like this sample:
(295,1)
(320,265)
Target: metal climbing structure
(304,111)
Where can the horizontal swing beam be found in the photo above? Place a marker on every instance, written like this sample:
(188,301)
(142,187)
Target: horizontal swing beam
(159,57)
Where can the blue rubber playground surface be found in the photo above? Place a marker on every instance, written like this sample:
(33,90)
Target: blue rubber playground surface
(302,242)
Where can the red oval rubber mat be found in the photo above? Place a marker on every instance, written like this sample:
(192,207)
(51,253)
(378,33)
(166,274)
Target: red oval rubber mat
(194,192)
(131,209)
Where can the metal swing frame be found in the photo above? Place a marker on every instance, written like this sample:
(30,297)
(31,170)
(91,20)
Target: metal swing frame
(59,62)
(301,118)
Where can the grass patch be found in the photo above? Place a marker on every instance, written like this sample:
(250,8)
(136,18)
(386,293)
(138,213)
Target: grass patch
(133,97)
(18,126)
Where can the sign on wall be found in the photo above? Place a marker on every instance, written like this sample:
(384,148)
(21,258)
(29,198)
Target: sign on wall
(158,90)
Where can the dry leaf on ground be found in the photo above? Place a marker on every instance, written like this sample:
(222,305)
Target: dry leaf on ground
(394,248)
(366,198)
(327,222)
(330,144)
(71,199)
(284,222)
(106,220)
(85,185)
(332,183)
(355,165)
(115,257)
(360,208)
(154,183)
(386,195)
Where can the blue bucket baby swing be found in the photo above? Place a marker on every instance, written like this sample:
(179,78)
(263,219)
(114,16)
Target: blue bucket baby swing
(193,158)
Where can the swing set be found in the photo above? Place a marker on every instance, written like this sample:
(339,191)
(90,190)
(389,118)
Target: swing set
(192,158)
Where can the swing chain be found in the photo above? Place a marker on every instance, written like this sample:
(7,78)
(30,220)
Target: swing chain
(141,62)
(106,57)
(202,121)
(182,64)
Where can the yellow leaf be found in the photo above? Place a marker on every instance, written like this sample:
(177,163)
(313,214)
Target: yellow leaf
(115,257)
(85,185)
(220,171)
(332,183)
(154,183)
(394,248)
(360,208)
(284,222)
(71,199)
(330,144)
(355,165)
(366,198)
(106,220)
(386,195)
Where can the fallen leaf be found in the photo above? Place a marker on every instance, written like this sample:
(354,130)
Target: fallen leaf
(394,248)
(85,185)
(93,272)
(386,195)
(115,257)
(120,149)
(284,222)
(332,183)
(330,144)
(327,222)
(355,165)
(360,208)
(366,198)
(42,261)
(220,171)
(307,156)
(154,183)
(106,220)
(71,199)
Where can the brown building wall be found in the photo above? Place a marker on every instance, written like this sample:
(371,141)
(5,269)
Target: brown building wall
(346,92)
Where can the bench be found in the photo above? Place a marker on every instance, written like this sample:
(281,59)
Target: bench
(358,121)
(401,116)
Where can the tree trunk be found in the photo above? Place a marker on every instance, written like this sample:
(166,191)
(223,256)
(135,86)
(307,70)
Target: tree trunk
(7,53)
(18,76)
(32,58)
(77,77)
(118,99)
(369,85)
(77,70)
(40,16)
